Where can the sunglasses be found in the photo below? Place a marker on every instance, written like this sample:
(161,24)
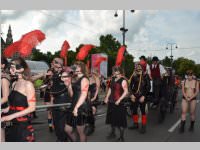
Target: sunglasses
(67,76)
(17,66)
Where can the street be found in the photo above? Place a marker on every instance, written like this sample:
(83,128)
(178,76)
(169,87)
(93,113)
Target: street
(165,132)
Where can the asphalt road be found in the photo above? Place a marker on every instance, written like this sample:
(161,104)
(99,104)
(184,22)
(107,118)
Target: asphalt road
(165,132)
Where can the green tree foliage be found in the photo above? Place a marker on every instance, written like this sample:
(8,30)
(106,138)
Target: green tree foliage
(108,43)
(181,66)
(166,62)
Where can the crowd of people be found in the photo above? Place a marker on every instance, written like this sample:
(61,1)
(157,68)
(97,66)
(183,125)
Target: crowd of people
(80,88)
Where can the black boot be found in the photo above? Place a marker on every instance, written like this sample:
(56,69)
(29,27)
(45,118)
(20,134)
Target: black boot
(182,127)
(121,139)
(143,129)
(134,126)
(50,129)
(161,117)
(90,130)
(112,134)
(191,129)
(34,115)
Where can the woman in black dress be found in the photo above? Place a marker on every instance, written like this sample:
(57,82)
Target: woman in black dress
(22,102)
(5,83)
(116,112)
(80,88)
(93,98)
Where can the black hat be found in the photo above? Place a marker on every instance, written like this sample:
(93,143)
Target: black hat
(143,57)
(155,58)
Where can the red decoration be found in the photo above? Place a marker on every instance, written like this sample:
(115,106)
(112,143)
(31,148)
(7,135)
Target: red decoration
(11,49)
(29,41)
(84,51)
(142,62)
(99,61)
(120,56)
(64,49)
(88,65)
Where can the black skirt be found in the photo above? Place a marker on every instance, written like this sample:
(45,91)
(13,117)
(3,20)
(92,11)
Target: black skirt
(116,115)
(20,132)
(73,121)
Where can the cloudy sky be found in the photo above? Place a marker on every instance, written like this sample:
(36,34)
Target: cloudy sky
(149,31)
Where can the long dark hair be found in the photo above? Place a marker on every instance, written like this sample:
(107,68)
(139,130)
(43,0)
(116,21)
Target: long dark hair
(83,67)
(5,62)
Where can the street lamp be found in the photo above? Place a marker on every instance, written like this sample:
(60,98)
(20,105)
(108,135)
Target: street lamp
(123,28)
(171,45)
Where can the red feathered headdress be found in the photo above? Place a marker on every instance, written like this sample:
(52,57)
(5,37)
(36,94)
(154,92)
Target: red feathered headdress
(84,51)
(120,56)
(11,49)
(99,61)
(29,41)
(64,49)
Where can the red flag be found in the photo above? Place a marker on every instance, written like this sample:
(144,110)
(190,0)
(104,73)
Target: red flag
(99,61)
(84,51)
(120,56)
(29,41)
(11,49)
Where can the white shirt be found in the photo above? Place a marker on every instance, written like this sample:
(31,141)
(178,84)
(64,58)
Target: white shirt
(148,69)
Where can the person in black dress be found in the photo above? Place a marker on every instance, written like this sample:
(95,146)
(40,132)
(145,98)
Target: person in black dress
(77,118)
(22,102)
(5,83)
(92,99)
(116,112)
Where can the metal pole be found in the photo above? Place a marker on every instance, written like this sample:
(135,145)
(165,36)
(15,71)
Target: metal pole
(123,31)
(53,105)
(171,52)
(171,55)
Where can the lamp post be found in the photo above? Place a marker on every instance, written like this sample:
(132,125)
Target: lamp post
(171,46)
(123,28)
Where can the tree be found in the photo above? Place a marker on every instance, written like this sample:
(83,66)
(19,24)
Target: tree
(38,56)
(197,70)
(108,43)
(181,66)
(166,62)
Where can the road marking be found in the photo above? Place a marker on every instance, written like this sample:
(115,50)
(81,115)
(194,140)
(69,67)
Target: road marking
(177,123)
(100,115)
(174,126)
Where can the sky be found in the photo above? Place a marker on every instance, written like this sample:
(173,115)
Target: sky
(149,31)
